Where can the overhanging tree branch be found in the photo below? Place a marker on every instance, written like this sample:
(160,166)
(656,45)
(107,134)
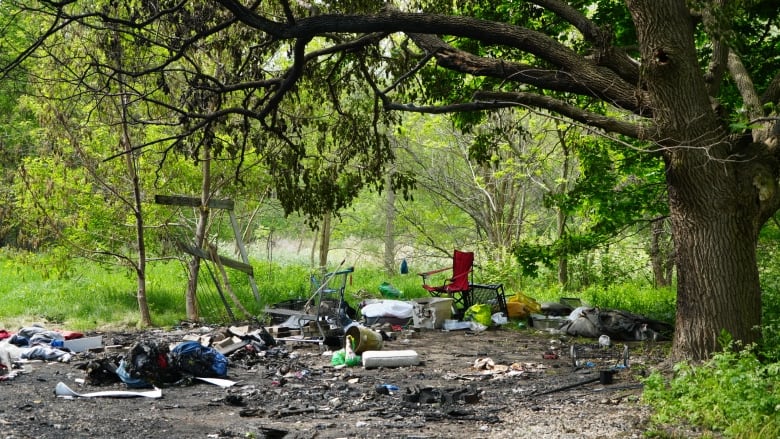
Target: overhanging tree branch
(618,92)
(634,130)
(590,79)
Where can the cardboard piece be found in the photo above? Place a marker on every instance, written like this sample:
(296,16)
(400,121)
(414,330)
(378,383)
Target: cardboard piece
(63,391)
(84,343)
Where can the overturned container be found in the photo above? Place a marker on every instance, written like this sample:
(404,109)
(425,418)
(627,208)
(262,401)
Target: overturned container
(365,339)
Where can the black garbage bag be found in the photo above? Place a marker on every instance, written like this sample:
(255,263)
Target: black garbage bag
(618,325)
(148,362)
(193,358)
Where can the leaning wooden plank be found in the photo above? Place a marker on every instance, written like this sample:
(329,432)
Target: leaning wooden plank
(232,263)
(226,282)
(290,312)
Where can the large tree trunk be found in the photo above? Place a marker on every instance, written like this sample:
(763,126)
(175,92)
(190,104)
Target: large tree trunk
(715,237)
(714,207)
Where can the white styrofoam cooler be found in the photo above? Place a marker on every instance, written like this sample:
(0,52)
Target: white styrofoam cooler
(431,312)
(390,358)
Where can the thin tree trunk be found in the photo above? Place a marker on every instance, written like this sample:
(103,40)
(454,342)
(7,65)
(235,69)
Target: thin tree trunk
(131,161)
(140,265)
(658,258)
(655,253)
(389,258)
(191,301)
(669,265)
(563,260)
(314,246)
(325,241)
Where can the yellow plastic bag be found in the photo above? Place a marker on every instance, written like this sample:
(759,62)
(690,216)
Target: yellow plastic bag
(521,306)
(480,313)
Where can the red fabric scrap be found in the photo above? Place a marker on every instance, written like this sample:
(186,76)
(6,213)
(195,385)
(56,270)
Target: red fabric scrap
(70,335)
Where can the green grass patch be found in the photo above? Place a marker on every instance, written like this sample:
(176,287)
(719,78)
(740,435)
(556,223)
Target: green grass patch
(89,296)
(84,295)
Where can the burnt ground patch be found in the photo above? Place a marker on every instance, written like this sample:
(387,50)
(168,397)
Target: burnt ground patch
(495,384)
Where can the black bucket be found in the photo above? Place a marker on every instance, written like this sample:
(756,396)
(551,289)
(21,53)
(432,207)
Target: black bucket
(605,376)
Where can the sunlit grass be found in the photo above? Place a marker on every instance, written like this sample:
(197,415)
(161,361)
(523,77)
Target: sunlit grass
(86,295)
(90,297)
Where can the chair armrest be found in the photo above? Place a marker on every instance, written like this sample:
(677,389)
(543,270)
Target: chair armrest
(428,273)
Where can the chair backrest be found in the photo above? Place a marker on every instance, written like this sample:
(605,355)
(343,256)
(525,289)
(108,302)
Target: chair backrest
(462,263)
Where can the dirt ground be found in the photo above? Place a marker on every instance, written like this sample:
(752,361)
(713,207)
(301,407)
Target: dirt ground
(495,384)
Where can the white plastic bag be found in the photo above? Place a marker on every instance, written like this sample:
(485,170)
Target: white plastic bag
(388,308)
(499,319)
(476,326)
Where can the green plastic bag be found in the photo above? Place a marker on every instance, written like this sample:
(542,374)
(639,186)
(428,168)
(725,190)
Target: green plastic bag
(480,313)
(389,292)
(338,358)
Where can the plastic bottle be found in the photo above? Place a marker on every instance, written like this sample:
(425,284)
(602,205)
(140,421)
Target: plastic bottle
(404,267)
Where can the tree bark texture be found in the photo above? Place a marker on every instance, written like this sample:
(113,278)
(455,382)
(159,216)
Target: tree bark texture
(713,204)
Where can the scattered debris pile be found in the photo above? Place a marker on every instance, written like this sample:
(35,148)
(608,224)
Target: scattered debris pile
(465,383)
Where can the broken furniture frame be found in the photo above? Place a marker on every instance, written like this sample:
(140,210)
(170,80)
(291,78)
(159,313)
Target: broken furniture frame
(328,304)
(227,204)
(613,356)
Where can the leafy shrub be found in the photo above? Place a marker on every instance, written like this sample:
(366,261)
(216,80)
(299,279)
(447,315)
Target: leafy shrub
(733,393)
(770,346)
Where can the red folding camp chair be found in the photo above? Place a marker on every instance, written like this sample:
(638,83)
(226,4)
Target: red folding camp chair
(457,286)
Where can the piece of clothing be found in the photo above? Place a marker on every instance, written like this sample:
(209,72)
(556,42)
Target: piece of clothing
(46,354)
(45,338)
